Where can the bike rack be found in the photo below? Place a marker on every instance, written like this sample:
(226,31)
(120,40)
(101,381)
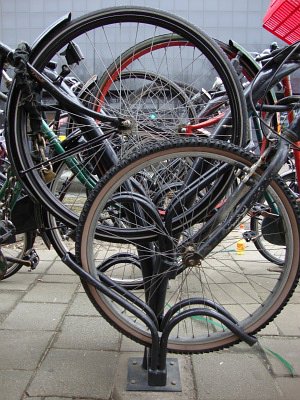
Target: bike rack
(156,366)
(156,372)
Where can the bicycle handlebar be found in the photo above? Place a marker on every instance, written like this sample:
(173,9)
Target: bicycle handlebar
(5,50)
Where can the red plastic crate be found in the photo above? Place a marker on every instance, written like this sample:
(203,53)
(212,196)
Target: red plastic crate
(283,20)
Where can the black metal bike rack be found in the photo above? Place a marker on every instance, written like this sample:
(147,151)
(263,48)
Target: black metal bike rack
(156,372)
(162,372)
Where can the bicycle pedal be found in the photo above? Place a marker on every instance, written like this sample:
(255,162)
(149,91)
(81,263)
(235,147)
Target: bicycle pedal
(7,232)
(33,258)
(249,235)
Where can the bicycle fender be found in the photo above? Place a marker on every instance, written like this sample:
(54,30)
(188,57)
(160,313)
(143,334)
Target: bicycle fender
(246,54)
(42,39)
(255,65)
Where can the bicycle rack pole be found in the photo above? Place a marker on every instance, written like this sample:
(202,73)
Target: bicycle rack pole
(154,372)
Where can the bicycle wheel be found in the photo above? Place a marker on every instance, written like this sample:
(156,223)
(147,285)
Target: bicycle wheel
(246,67)
(267,225)
(207,101)
(103,36)
(120,228)
(17,248)
(170,103)
(267,231)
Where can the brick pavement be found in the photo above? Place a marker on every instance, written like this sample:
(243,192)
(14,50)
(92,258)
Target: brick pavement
(54,345)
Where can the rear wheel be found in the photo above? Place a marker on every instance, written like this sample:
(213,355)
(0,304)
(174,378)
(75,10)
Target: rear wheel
(125,235)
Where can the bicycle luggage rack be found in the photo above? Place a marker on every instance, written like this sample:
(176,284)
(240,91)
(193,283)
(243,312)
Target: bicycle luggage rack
(150,373)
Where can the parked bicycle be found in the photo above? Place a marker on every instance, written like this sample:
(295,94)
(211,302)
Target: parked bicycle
(36,153)
(172,239)
(155,243)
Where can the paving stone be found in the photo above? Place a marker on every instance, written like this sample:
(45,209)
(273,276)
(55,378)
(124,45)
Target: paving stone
(57,398)
(2,317)
(186,377)
(60,278)
(59,268)
(82,306)
(227,376)
(18,282)
(41,268)
(75,373)
(92,333)
(13,384)
(129,345)
(243,347)
(270,330)
(46,254)
(295,299)
(8,300)
(286,321)
(61,398)
(19,350)
(289,387)
(36,398)
(81,289)
(51,292)
(289,349)
(34,317)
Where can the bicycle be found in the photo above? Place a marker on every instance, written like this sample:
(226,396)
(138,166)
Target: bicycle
(63,49)
(179,255)
(203,103)
(160,234)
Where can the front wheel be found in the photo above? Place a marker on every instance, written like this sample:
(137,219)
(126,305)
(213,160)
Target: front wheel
(125,230)
(103,36)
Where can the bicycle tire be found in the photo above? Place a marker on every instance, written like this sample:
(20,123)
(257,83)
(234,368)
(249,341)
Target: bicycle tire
(289,178)
(17,249)
(252,292)
(17,139)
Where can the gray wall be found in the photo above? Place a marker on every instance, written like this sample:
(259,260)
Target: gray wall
(240,20)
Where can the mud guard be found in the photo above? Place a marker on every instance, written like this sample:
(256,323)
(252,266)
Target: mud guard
(255,65)
(42,39)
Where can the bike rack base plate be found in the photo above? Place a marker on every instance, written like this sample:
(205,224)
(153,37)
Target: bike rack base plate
(137,377)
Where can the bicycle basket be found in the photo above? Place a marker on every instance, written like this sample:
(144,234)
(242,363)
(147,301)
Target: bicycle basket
(283,20)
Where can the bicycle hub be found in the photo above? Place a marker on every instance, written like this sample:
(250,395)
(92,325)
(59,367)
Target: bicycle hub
(190,257)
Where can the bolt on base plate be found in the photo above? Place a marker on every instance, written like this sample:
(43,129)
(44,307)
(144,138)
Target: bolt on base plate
(137,377)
